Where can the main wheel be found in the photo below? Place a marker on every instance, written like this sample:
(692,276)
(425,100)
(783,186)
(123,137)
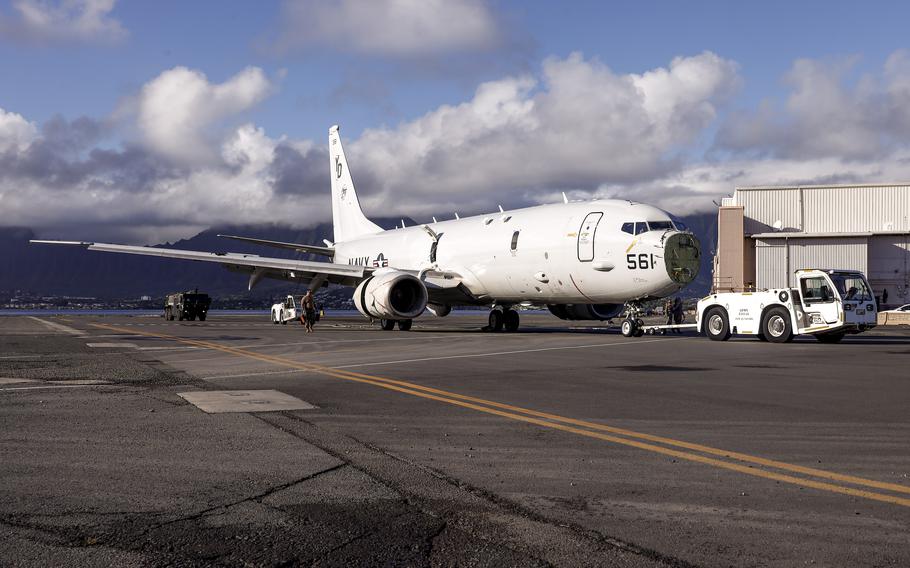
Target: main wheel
(717,327)
(628,327)
(283,318)
(495,320)
(167,314)
(511,320)
(776,327)
(639,328)
(387,325)
(404,325)
(830,337)
(202,317)
(180,315)
(275,318)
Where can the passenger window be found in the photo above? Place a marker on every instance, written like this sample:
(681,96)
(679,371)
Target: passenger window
(515,241)
(816,290)
(640,228)
(628,228)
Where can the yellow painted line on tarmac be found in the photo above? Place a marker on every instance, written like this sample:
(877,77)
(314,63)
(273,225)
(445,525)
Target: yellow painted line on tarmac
(553,421)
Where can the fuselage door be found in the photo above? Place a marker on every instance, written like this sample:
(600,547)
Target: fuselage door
(586,236)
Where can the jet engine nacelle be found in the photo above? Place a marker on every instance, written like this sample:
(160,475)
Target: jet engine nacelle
(585,311)
(439,310)
(393,295)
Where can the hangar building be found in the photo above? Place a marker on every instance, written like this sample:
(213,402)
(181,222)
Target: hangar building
(766,233)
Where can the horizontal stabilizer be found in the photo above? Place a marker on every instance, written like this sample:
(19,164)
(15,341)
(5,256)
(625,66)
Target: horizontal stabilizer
(314,249)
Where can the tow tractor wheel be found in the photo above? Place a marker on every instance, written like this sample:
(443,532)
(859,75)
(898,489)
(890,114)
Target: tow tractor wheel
(776,326)
(628,327)
(511,320)
(495,320)
(830,337)
(639,328)
(404,325)
(284,320)
(201,317)
(387,325)
(717,327)
(275,318)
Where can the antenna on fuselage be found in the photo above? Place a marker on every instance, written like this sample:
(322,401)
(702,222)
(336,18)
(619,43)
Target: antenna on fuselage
(500,209)
(402,223)
(434,220)
(565,199)
(456,216)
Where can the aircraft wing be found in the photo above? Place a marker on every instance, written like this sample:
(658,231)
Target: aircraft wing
(325,251)
(256,266)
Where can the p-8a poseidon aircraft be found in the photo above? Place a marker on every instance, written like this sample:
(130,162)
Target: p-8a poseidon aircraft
(583,260)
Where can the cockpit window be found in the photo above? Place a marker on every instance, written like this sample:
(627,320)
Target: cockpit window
(641,227)
(680,226)
(628,228)
(660,225)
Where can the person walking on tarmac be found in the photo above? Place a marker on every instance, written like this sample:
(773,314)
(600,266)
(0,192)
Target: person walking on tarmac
(309,310)
(668,311)
(677,313)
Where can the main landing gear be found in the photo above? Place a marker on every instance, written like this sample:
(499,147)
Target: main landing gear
(507,319)
(389,325)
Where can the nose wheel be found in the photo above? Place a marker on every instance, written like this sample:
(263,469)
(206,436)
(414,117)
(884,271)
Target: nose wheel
(632,327)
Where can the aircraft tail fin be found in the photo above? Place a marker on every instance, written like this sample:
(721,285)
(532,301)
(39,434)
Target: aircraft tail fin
(347,216)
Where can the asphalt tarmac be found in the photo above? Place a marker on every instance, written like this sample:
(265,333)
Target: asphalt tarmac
(562,444)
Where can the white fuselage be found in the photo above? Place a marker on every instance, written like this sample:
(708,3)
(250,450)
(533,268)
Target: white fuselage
(568,253)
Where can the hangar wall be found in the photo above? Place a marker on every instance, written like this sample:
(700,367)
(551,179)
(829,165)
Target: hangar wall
(857,227)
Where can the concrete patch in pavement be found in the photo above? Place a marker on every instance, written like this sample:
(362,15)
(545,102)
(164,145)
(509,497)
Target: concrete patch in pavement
(244,401)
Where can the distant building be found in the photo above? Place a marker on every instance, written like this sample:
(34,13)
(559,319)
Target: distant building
(766,233)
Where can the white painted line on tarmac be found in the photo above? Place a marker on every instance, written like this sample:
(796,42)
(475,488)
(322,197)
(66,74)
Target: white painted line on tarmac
(113,345)
(58,326)
(53,387)
(316,342)
(469,355)
(23,356)
(518,352)
(6,381)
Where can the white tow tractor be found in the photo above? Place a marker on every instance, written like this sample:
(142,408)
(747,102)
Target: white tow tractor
(285,311)
(826,303)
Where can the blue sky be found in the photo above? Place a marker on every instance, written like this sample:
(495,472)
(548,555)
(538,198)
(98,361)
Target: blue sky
(722,93)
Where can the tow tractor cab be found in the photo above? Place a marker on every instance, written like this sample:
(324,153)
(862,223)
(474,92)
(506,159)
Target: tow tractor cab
(285,311)
(826,303)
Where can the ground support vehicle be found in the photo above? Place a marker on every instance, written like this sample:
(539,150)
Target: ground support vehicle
(186,306)
(286,311)
(827,304)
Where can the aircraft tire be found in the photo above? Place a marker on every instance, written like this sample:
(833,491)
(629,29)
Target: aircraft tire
(776,327)
(404,325)
(495,320)
(274,318)
(511,320)
(628,327)
(167,314)
(283,320)
(387,325)
(202,317)
(717,326)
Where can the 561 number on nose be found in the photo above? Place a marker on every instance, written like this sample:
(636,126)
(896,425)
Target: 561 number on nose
(641,261)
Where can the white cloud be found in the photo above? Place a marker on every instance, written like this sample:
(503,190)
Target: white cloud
(828,113)
(576,126)
(16,133)
(579,126)
(397,28)
(65,21)
(177,110)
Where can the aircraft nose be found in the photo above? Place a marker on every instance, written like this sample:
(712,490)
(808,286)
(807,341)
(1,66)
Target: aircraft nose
(682,256)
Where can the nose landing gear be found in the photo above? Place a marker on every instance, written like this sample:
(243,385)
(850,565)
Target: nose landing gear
(632,326)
